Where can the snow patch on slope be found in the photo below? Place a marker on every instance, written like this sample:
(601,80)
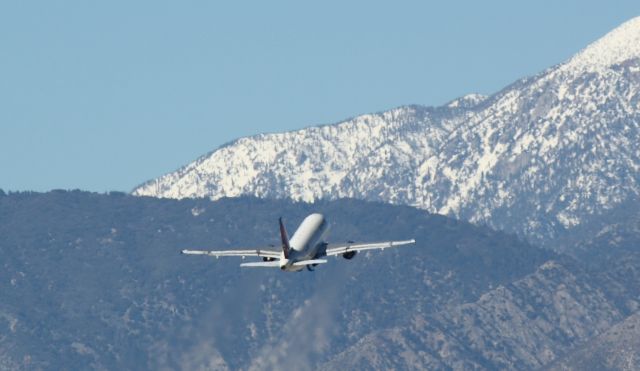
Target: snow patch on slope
(619,45)
(546,154)
(468,101)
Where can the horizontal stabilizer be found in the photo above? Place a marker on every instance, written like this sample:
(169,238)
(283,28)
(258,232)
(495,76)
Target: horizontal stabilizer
(219,253)
(194,252)
(272,264)
(309,262)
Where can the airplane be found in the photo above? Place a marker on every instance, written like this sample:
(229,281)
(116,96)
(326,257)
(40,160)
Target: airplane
(306,248)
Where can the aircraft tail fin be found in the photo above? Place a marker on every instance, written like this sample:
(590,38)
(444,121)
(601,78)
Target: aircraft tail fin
(285,239)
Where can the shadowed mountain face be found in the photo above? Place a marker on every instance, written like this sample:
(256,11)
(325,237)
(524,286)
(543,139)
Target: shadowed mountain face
(540,158)
(96,281)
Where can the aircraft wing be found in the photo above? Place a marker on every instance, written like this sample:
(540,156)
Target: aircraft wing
(219,253)
(339,249)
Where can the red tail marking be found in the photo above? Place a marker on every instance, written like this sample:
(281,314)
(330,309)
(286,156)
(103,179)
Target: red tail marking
(285,240)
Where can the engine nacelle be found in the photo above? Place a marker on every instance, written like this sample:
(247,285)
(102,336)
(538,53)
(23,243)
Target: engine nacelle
(349,255)
(267,259)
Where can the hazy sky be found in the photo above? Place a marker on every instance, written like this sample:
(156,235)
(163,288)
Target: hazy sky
(105,95)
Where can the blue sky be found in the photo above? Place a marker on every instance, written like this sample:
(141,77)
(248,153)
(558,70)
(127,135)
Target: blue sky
(105,95)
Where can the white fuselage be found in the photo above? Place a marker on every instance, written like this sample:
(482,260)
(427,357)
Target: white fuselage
(306,243)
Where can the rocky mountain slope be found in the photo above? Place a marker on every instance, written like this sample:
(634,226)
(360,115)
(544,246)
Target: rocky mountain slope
(520,326)
(616,349)
(541,157)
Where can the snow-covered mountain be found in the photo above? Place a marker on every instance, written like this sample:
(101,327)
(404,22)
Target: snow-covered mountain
(544,155)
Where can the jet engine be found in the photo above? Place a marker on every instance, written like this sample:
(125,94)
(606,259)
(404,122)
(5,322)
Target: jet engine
(349,255)
(267,259)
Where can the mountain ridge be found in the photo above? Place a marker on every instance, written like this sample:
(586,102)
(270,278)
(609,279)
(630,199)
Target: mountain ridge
(538,158)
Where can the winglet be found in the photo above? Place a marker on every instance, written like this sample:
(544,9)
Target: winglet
(285,239)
